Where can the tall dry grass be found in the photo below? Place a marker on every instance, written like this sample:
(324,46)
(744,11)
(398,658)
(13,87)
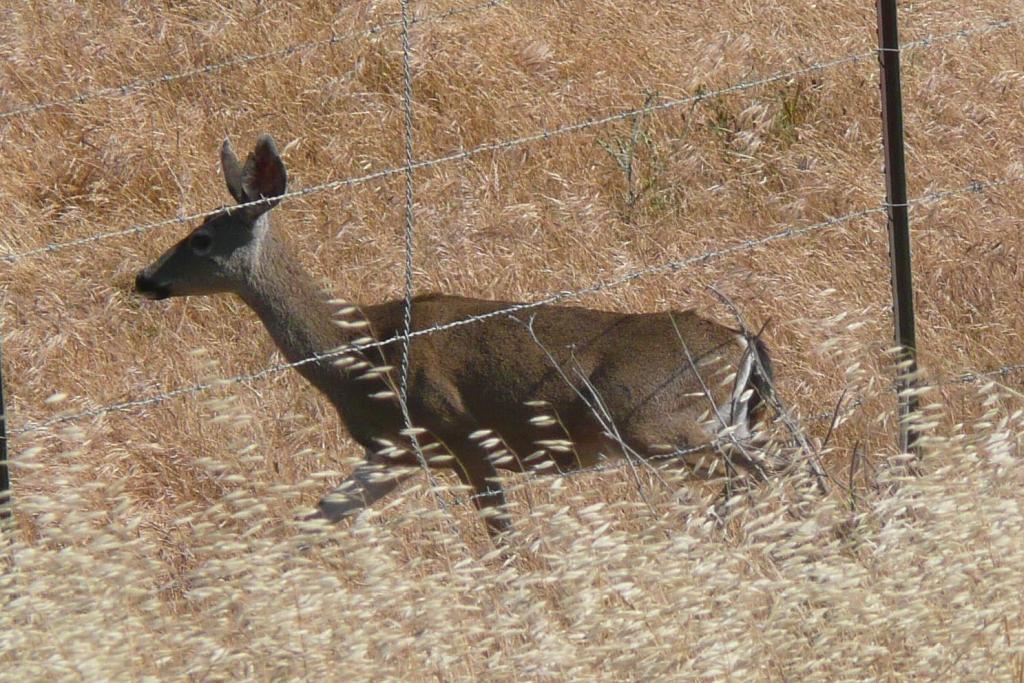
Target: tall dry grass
(156,543)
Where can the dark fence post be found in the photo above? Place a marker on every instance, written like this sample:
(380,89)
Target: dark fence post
(5,479)
(899,219)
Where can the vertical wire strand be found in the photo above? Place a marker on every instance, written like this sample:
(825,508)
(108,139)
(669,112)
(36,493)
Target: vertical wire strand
(410,233)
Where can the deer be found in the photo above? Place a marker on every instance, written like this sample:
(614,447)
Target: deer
(557,387)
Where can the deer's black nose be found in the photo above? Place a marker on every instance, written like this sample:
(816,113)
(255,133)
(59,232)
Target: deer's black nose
(150,288)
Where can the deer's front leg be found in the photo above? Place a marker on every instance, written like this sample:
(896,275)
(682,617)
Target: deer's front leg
(479,472)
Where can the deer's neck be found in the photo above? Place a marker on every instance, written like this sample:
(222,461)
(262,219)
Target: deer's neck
(295,310)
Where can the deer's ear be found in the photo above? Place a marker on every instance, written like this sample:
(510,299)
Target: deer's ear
(264,175)
(232,171)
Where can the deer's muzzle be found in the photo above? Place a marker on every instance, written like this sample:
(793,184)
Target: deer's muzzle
(150,288)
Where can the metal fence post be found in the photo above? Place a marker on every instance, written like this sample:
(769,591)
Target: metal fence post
(5,480)
(899,219)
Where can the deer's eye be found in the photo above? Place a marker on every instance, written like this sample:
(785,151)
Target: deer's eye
(200,243)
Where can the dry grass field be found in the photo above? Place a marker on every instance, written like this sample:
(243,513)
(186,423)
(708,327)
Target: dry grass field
(157,543)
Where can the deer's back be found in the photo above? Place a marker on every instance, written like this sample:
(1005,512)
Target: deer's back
(637,366)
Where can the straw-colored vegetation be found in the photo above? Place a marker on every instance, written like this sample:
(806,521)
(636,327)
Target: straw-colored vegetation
(157,543)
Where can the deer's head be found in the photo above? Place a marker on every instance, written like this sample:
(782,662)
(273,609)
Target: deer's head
(222,253)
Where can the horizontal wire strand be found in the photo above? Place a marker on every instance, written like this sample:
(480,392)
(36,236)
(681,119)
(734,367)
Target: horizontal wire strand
(667,267)
(458,156)
(510,143)
(131,87)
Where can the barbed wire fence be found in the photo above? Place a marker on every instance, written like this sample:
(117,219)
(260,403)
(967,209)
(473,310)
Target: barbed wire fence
(544,135)
(664,268)
(138,85)
(412,165)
